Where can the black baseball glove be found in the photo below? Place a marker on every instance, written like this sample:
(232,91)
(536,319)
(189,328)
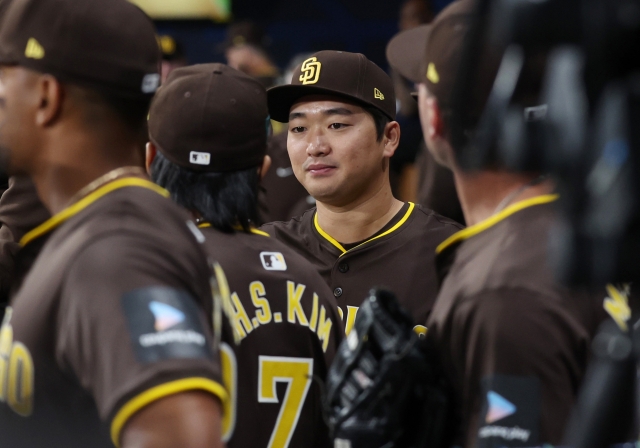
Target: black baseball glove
(382,391)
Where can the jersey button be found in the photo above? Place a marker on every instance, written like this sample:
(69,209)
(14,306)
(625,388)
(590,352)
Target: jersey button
(337,292)
(343,267)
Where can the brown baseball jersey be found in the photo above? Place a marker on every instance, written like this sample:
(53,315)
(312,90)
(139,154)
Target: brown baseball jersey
(287,331)
(112,316)
(514,343)
(20,212)
(400,257)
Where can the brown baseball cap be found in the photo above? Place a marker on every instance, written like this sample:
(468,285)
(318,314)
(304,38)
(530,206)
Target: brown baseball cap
(407,50)
(210,118)
(348,75)
(107,45)
(431,54)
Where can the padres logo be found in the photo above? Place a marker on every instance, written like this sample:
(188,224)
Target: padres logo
(310,71)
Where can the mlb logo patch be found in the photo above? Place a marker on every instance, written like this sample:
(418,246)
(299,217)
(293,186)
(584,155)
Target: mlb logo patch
(273,261)
(199,158)
(150,83)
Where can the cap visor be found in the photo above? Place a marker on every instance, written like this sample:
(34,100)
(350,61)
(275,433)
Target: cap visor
(281,98)
(407,50)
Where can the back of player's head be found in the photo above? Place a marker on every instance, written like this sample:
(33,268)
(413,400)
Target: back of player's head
(432,55)
(224,200)
(104,46)
(210,125)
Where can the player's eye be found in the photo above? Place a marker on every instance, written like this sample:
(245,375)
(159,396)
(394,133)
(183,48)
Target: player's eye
(297,129)
(337,126)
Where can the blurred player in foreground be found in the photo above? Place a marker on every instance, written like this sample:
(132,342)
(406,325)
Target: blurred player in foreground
(108,340)
(208,128)
(514,343)
(340,108)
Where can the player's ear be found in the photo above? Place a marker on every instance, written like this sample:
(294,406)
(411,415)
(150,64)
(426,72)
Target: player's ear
(150,155)
(264,168)
(435,120)
(50,96)
(391,138)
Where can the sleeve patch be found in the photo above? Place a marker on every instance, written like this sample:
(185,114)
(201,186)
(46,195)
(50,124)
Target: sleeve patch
(165,323)
(510,414)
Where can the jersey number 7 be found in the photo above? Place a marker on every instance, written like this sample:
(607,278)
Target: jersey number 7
(296,372)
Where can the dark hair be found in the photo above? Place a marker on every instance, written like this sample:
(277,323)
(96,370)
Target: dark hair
(380,120)
(225,200)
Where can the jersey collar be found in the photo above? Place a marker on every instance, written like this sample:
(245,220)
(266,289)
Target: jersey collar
(83,203)
(339,246)
(493,220)
(204,225)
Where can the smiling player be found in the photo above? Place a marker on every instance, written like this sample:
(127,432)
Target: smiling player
(341,109)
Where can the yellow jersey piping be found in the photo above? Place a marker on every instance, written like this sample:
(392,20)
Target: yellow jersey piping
(83,203)
(328,237)
(260,232)
(255,231)
(155,393)
(493,220)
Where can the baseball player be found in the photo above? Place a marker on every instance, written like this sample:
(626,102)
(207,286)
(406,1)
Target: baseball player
(514,343)
(340,108)
(208,128)
(108,341)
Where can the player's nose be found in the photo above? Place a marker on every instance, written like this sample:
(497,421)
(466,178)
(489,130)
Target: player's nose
(317,144)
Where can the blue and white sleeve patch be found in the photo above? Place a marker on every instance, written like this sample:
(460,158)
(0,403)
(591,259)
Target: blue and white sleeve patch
(165,323)
(510,414)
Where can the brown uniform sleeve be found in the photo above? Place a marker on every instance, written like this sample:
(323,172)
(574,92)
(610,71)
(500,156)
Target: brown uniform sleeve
(519,358)
(131,330)
(20,212)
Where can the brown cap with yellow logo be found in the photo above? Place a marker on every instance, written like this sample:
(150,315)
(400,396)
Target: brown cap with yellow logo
(430,54)
(337,73)
(107,45)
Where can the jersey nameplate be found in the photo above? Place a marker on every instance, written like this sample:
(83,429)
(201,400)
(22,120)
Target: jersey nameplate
(244,322)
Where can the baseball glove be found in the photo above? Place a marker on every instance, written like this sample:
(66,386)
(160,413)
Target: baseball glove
(382,390)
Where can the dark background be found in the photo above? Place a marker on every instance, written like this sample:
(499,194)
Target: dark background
(297,26)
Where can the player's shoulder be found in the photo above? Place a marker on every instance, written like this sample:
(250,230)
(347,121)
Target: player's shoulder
(427,217)
(260,251)
(144,212)
(295,227)
(133,223)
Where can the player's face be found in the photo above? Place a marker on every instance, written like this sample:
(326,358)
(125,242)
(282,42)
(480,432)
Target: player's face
(16,94)
(334,150)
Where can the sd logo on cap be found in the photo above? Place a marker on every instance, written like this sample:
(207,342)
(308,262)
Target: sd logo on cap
(310,71)
(348,75)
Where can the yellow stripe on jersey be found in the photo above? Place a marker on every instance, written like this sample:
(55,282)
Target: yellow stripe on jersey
(253,230)
(83,203)
(493,220)
(155,393)
(332,240)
